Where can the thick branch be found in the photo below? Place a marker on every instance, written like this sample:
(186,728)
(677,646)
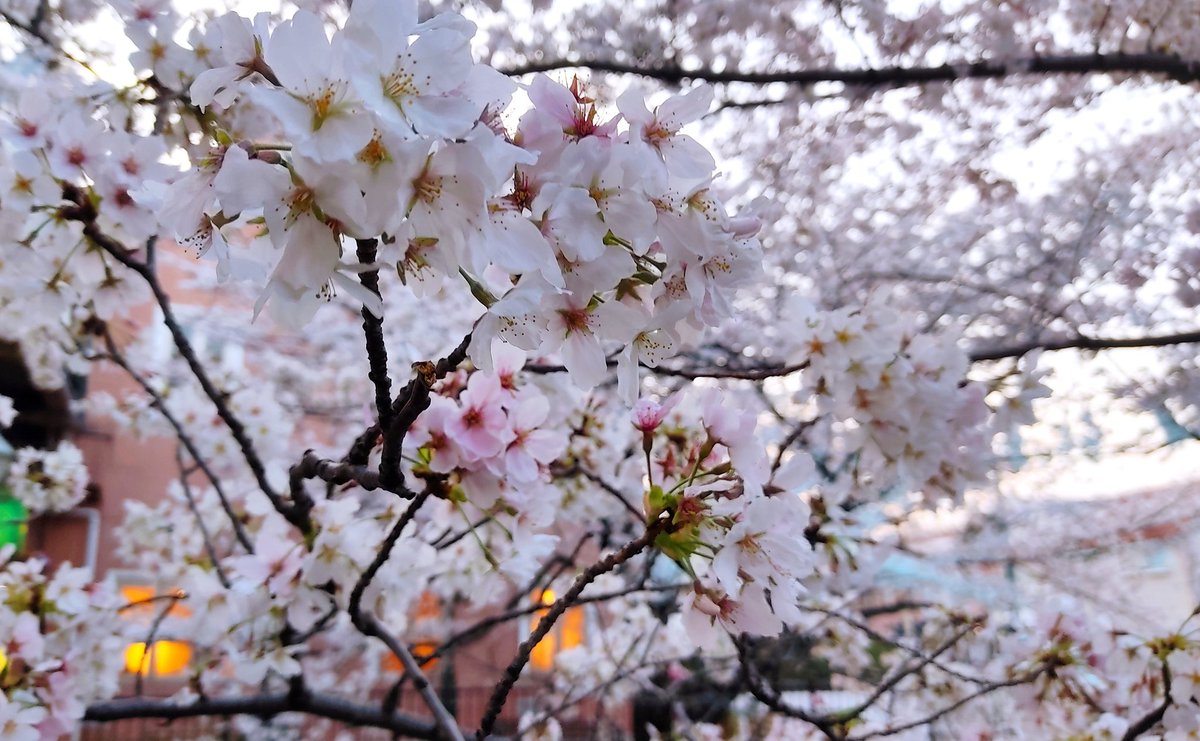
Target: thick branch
(360,451)
(1167,65)
(314,466)
(325,706)
(373,332)
(1085,343)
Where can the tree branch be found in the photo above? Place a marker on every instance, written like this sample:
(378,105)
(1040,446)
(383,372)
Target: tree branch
(760,373)
(1151,719)
(513,671)
(209,546)
(185,440)
(312,466)
(85,212)
(373,332)
(1085,343)
(1171,66)
(304,701)
(926,720)
(369,625)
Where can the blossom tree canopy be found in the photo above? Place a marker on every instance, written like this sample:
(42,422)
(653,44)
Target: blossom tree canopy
(678,312)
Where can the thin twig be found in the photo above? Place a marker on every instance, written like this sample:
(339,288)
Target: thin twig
(209,546)
(513,671)
(185,439)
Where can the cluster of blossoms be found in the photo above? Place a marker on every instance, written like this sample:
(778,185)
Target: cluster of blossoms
(735,529)
(899,395)
(49,480)
(163,539)
(54,155)
(254,400)
(591,236)
(492,436)
(575,229)
(61,647)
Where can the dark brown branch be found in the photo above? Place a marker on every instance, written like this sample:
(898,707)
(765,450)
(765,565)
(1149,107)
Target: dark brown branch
(742,374)
(1151,719)
(382,555)
(769,697)
(369,625)
(303,701)
(513,671)
(373,332)
(409,404)
(1168,65)
(1085,343)
(34,26)
(313,466)
(360,451)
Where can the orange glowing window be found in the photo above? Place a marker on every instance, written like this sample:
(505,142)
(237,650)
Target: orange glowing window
(420,651)
(165,658)
(567,633)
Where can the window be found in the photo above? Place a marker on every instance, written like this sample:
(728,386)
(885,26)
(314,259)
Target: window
(165,656)
(164,659)
(567,633)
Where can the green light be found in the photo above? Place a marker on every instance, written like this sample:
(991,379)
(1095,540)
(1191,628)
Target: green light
(14,520)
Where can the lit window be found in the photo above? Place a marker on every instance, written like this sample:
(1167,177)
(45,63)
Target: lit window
(164,659)
(566,634)
(145,606)
(420,650)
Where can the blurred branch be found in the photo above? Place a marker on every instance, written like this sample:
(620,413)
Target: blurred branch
(1169,65)
(156,400)
(1084,343)
(265,706)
